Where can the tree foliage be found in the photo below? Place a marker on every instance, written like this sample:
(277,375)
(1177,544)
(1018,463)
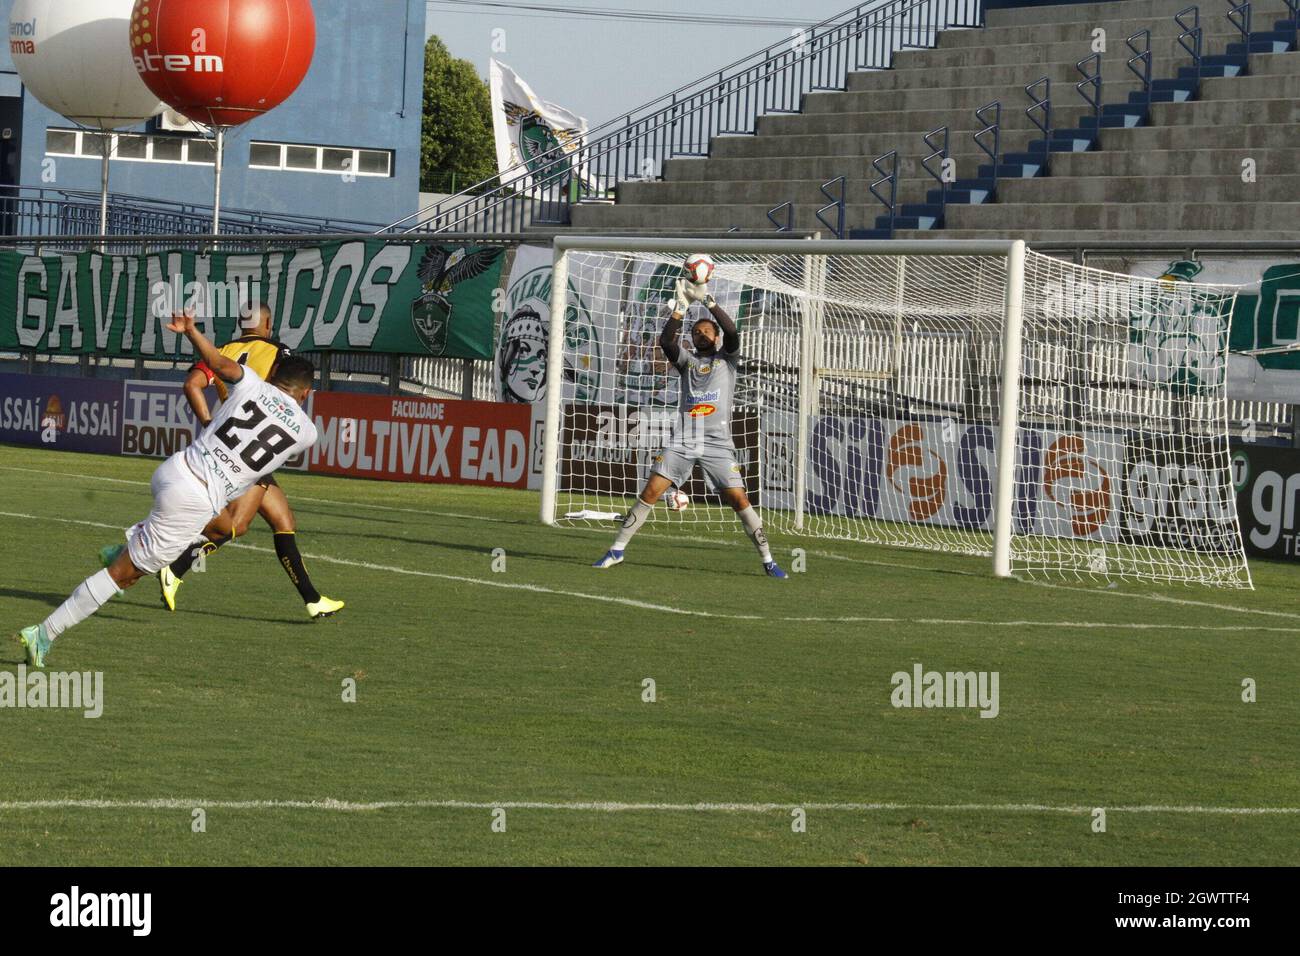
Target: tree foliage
(456,136)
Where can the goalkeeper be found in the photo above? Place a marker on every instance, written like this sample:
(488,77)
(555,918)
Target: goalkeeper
(703,430)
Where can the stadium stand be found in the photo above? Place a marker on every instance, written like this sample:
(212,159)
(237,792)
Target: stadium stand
(1180,107)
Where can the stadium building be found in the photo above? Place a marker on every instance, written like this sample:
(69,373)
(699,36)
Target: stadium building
(358,109)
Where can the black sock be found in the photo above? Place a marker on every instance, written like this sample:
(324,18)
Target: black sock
(286,548)
(181,566)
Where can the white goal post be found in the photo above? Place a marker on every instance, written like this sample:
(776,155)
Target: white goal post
(963,396)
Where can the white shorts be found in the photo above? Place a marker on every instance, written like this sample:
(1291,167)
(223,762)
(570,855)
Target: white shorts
(181,510)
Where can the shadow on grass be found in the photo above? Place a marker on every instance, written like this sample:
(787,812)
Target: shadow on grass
(50,598)
(196,607)
(366,513)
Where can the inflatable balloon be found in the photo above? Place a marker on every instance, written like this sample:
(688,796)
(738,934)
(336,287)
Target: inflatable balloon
(75,57)
(223,62)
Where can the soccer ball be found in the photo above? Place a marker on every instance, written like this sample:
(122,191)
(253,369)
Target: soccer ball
(677,500)
(698,268)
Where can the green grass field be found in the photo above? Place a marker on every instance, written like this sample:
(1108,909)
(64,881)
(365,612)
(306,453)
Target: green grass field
(523,690)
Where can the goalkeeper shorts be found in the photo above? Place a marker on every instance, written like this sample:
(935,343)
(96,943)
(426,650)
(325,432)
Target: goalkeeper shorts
(718,464)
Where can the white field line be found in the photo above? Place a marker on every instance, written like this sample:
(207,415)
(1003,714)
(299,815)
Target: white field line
(608,806)
(717,615)
(460,579)
(1159,598)
(722,541)
(1165,599)
(898,565)
(322,501)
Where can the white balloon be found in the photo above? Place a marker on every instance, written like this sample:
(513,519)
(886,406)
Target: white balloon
(75,57)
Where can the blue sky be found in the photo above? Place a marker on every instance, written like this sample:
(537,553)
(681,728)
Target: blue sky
(601,68)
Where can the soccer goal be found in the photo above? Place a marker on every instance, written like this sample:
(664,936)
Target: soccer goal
(968,397)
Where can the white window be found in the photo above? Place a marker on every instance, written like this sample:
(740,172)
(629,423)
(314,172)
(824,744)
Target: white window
(130,147)
(334,160)
(61,142)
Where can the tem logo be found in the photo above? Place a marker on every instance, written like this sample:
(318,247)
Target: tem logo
(148,62)
(926,491)
(703,410)
(1079,483)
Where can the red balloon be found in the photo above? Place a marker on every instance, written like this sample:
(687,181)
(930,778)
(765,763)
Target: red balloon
(223,62)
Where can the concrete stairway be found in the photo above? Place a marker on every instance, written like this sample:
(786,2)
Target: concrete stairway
(1178,176)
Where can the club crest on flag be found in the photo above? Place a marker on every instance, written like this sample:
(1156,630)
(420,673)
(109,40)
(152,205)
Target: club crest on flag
(532,133)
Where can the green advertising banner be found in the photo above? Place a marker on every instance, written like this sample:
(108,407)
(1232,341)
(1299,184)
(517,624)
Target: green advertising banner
(366,295)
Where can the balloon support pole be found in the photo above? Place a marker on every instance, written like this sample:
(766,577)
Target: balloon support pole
(216,199)
(105,141)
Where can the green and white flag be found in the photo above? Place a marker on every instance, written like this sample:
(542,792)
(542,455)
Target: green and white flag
(1264,340)
(528,129)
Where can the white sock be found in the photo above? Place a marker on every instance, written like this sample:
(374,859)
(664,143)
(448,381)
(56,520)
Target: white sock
(754,528)
(92,594)
(632,523)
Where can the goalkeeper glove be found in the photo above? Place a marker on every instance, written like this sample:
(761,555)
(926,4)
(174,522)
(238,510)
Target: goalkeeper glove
(681,298)
(700,293)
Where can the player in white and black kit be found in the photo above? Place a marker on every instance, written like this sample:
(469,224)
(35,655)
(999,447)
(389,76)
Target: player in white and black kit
(702,433)
(260,426)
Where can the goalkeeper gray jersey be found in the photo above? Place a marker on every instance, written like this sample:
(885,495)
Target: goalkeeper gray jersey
(704,409)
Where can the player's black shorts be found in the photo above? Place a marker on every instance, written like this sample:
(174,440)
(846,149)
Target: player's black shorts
(268,482)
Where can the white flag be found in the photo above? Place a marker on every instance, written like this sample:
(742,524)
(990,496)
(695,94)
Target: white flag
(527,128)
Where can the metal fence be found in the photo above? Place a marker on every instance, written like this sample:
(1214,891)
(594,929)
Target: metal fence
(30,211)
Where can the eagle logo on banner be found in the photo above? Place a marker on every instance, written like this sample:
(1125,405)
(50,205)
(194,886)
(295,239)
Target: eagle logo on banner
(441,269)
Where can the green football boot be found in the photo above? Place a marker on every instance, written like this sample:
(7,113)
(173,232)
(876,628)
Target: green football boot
(36,642)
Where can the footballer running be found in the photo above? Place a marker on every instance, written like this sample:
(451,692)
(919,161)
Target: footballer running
(260,427)
(254,349)
(702,433)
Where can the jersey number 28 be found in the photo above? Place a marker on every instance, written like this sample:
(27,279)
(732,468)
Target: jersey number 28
(260,450)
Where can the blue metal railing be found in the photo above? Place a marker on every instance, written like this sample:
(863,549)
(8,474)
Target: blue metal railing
(681,123)
(1192,38)
(1092,80)
(887,176)
(1239,17)
(788,225)
(993,127)
(939,151)
(46,211)
(1040,104)
(1140,55)
(1293,8)
(836,203)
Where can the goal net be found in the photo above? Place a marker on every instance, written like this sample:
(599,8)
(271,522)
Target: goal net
(963,397)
